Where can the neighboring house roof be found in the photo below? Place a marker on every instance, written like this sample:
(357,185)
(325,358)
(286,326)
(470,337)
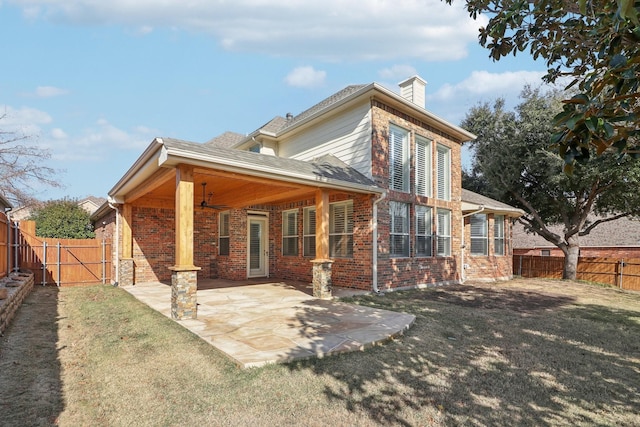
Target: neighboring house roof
(621,232)
(473,201)
(226,140)
(91,203)
(326,172)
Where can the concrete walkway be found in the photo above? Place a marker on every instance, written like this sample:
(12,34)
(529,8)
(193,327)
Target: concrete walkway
(257,324)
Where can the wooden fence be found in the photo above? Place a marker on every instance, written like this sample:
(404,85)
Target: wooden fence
(622,273)
(61,262)
(5,241)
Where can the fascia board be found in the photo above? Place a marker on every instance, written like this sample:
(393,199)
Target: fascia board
(142,169)
(470,207)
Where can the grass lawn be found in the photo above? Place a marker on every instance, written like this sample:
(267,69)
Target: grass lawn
(524,352)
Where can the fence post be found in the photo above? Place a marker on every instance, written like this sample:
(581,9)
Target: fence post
(621,271)
(104,262)
(59,265)
(44,263)
(17,237)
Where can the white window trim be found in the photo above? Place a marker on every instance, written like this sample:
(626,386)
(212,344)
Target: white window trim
(423,172)
(406,173)
(405,233)
(446,234)
(308,213)
(446,173)
(345,232)
(428,232)
(483,238)
(286,214)
(499,219)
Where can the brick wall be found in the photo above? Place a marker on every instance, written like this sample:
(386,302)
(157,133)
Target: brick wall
(492,266)
(399,272)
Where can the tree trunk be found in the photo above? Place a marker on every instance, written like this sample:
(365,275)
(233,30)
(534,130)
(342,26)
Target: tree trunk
(570,269)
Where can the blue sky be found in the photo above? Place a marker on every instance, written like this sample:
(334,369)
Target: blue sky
(95,81)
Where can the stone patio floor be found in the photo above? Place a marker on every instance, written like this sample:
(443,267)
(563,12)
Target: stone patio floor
(257,323)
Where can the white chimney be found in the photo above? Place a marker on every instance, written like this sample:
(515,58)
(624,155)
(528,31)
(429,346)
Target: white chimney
(413,90)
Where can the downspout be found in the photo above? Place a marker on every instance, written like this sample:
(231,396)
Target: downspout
(374,281)
(117,243)
(462,246)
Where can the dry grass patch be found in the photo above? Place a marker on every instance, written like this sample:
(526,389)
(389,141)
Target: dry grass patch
(518,353)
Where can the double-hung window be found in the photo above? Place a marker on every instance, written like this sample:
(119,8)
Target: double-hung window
(479,237)
(309,232)
(443,241)
(424,246)
(423,167)
(290,232)
(223,233)
(398,159)
(341,229)
(399,244)
(443,163)
(498,234)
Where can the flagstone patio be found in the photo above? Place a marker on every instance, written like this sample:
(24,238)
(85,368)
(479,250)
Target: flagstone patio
(256,323)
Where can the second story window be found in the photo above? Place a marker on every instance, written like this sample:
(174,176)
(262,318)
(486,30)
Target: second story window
(423,167)
(398,159)
(223,233)
(443,173)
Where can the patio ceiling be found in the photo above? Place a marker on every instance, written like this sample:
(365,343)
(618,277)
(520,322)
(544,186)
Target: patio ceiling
(229,189)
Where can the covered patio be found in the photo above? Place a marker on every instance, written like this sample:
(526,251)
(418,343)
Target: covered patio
(258,322)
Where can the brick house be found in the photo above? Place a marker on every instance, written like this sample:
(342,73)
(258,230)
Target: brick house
(362,190)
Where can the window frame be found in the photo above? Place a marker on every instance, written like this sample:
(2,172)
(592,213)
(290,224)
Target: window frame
(398,135)
(291,239)
(426,214)
(309,235)
(443,230)
(423,172)
(341,241)
(499,240)
(224,238)
(403,233)
(443,172)
(479,234)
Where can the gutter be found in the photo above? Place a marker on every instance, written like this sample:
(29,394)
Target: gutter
(374,279)
(462,245)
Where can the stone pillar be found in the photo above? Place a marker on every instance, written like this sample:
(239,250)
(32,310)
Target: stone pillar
(184,284)
(322,278)
(126,272)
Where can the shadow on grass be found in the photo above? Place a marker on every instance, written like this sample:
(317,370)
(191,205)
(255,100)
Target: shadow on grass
(493,356)
(30,374)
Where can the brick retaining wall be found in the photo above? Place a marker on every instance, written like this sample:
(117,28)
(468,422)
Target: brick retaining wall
(18,286)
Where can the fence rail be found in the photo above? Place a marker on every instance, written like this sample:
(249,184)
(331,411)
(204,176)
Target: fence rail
(622,273)
(63,262)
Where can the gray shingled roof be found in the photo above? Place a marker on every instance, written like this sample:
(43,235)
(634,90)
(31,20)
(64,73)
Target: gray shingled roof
(470,197)
(227,139)
(324,168)
(621,232)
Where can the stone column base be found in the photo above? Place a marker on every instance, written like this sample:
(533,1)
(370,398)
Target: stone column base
(322,278)
(184,284)
(126,276)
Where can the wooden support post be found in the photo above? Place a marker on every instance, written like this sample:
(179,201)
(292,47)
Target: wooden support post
(127,240)
(322,224)
(184,217)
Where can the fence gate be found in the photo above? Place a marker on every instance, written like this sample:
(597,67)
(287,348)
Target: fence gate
(61,262)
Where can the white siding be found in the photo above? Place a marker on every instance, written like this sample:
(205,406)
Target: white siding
(347,136)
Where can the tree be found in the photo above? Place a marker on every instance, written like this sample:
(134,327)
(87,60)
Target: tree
(62,219)
(21,166)
(513,163)
(595,44)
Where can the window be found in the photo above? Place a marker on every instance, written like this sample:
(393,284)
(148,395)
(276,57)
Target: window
(424,247)
(223,233)
(309,232)
(398,159)
(498,234)
(479,238)
(255,148)
(444,172)
(444,233)
(399,229)
(290,232)
(545,252)
(341,229)
(423,167)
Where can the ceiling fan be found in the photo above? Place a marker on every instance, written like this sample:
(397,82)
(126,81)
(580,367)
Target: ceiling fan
(205,203)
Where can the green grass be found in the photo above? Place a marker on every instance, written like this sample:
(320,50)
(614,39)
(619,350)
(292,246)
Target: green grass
(520,353)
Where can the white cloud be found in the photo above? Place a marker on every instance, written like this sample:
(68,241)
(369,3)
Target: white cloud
(57,133)
(305,77)
(330,30)
(49,91)
(398,72)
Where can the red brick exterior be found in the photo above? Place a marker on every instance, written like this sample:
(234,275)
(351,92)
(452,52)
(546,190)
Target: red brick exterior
(491,267)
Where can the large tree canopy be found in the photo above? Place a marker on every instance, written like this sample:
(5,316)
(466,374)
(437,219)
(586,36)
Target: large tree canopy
(22,166)
(63,219)
(513,163)
(593,43)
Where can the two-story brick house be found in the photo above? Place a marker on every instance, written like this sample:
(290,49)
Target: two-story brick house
(362,190)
